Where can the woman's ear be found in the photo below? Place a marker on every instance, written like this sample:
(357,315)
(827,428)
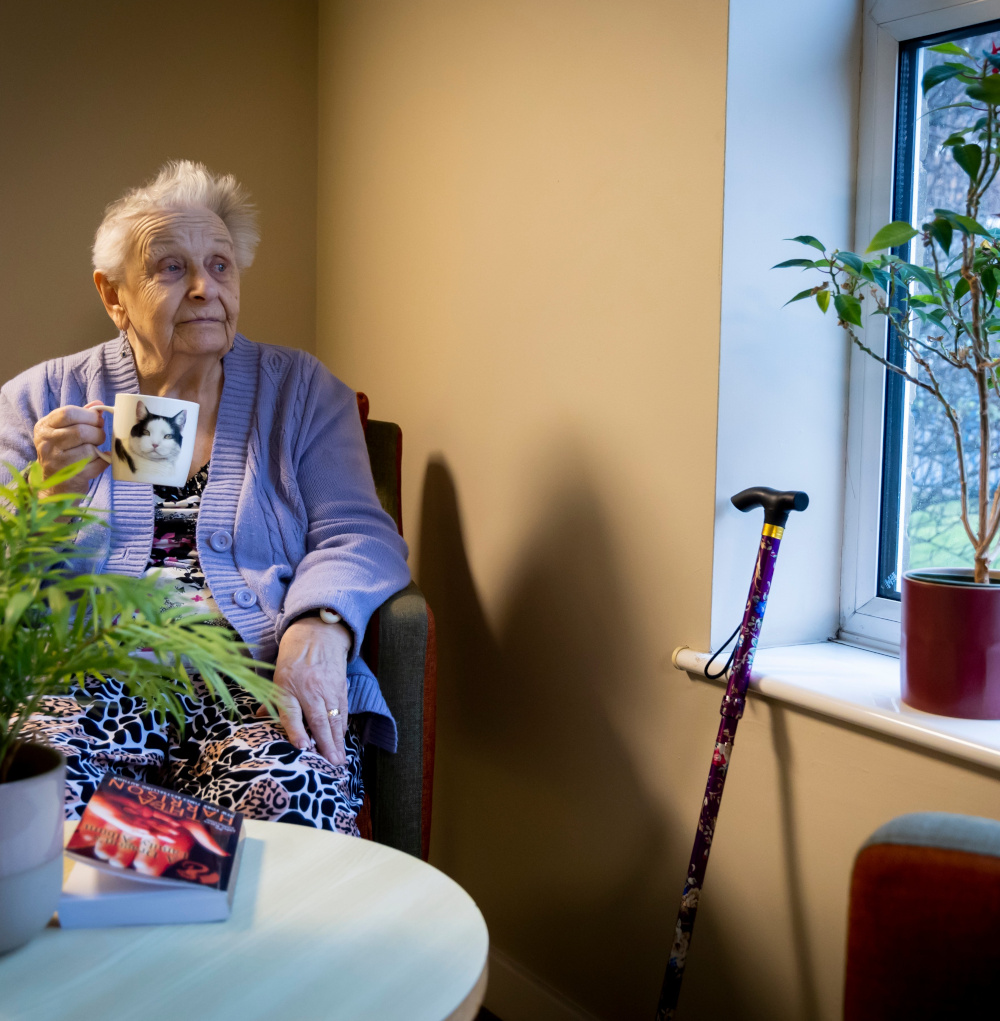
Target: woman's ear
(112,302)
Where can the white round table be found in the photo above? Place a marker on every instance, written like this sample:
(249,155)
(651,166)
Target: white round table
(323,927)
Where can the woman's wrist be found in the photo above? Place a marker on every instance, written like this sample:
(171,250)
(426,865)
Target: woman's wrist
(326,614)
(312,622)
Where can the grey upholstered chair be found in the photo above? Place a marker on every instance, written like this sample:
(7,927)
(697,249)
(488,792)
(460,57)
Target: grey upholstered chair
(400,649)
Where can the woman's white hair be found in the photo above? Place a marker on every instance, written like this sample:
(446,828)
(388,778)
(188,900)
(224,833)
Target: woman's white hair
(180,184)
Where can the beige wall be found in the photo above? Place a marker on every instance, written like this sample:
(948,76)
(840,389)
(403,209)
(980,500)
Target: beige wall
(520,223)
(520,236)
(95,96)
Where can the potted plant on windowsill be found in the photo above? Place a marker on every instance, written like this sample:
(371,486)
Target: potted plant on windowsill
(56,628)
(945,317)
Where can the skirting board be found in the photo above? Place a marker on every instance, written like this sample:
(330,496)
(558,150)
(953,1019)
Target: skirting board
(515,994)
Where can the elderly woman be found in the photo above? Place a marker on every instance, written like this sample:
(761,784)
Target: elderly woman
(278,529)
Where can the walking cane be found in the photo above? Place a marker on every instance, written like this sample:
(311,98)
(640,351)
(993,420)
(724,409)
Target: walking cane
(777,506)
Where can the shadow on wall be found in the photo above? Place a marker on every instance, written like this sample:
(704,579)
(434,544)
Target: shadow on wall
(539,812)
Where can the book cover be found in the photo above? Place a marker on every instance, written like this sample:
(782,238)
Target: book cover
(145,855)
(131,828)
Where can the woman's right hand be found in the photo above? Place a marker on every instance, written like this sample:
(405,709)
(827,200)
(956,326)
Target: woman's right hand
(67,435)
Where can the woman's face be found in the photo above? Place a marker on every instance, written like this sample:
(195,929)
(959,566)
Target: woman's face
(182,289)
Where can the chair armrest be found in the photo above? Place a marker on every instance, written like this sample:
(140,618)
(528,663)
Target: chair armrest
(400,785)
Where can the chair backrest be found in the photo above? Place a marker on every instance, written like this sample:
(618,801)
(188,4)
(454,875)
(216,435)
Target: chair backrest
(400,648)
(385,451)
(924,925)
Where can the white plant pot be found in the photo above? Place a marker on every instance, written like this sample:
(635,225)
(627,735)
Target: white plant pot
(31,832)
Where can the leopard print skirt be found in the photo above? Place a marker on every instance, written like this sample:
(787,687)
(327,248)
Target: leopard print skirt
(242,762)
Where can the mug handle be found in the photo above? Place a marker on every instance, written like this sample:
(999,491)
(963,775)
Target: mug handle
(104,455)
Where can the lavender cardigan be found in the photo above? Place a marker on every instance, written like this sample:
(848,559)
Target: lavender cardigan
(289,521)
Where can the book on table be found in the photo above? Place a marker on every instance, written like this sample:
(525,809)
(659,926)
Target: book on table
(144,855)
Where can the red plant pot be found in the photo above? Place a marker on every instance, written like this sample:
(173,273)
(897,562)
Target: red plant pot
(950,644)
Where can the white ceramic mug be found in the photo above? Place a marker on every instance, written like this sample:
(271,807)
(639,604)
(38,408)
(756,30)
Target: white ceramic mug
(153,439)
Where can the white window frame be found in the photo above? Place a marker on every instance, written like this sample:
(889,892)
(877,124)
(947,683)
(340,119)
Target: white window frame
(867,619)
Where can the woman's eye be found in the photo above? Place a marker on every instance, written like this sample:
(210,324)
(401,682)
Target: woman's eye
(220,267)
(172,267)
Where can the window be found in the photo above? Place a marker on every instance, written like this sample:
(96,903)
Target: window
(919,522)
(902,507)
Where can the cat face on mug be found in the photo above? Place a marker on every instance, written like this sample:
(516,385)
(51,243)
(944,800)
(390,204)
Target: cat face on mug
(154,439)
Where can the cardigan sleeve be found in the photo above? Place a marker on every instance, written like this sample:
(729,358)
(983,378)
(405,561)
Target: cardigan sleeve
(355,558)
(22,404)
(31,395)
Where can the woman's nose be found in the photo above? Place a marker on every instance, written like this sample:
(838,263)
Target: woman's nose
(201,286)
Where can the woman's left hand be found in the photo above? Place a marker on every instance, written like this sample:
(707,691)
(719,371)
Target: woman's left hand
(311,670)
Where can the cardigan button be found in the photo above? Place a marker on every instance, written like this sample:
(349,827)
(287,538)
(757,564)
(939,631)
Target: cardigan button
(220,541)
(244,597)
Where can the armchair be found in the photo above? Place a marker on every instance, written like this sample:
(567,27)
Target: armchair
(924,927)
(400,648)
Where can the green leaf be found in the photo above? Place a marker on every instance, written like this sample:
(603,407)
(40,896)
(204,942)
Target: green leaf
(967,224)
(911,272)
(969,158)
(940,230)
(934,318)
(892,235)
(807,263)
(952,106)
(808,239)
(807,293)
(59,611)
(941,73)
(961,289)
(16,605)
(927,279)
(954,139)
(881,277)
(990,278)
(987,91)
(848,308)
(823,299)
(952,49)
(852,261)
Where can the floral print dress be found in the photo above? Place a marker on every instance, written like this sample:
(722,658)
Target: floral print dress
(175,546)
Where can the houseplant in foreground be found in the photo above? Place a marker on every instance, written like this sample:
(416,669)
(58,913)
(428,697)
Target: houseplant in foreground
(56,628)
(943,312)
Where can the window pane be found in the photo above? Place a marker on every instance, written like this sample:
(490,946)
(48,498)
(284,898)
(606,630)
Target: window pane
(923,506)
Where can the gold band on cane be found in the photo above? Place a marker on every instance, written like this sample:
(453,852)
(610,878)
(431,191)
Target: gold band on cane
(774,531)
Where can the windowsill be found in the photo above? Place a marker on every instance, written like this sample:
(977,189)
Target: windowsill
(861,688)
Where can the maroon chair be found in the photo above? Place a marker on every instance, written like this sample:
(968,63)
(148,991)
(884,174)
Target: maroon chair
(400,648)
(924,926)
